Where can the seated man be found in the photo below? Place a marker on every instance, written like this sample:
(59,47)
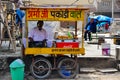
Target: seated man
(89,29)
(38,35)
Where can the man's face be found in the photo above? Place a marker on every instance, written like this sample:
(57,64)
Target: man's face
(92,20)
(39,25)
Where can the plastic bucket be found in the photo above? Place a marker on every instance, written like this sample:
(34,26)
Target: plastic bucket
(17,70)
(65,72)
(105,49)
(17,73)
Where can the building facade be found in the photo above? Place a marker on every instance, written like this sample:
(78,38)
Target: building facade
(104,7)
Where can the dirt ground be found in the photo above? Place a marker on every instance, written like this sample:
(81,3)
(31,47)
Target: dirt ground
(5,75)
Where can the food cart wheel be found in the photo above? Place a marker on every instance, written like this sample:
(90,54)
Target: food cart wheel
(40,68)
(60,58)
(67,68)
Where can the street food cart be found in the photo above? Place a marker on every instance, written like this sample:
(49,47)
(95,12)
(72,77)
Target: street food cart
(62,56)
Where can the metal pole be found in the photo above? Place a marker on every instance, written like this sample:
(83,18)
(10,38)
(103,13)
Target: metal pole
(112,9)
(112,16)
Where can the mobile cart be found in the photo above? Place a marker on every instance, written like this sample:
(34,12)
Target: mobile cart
(62,56)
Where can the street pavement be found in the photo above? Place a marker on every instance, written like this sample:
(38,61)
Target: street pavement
(99,76)
(81,76)
(95,50)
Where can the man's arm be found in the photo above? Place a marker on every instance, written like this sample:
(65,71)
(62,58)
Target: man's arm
(31,39)
(30,35)
(86,26)
(45,34)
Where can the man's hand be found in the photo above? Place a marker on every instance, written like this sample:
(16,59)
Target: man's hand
(85,30)
(44,40)
(31,39)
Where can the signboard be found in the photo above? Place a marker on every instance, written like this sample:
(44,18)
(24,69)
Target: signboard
(59,14)
(54,51)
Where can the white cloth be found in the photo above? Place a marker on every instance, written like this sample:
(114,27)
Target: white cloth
(38,35)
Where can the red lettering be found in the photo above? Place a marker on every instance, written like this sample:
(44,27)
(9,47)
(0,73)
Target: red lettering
(44,13)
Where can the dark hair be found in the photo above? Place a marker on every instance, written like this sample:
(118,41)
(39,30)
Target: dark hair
(92,19)
(40,22)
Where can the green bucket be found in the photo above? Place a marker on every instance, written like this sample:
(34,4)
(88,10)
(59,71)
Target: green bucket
(17,70)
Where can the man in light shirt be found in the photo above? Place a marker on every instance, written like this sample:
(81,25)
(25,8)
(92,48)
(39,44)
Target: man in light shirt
(38,36)
(38,33)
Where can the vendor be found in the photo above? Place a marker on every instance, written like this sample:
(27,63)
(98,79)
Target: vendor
(38,34)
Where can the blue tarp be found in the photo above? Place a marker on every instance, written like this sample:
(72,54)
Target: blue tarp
(101,18)
(19,16)
(101,24)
